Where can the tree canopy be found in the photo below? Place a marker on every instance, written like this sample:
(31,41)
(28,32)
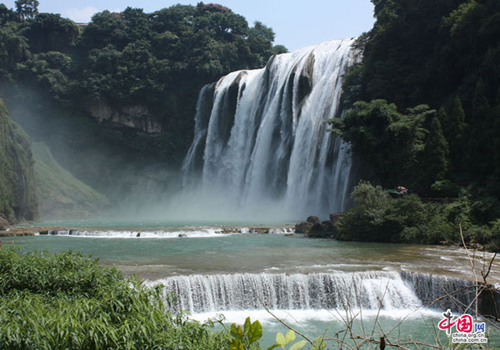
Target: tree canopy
(159,60)
(443,54)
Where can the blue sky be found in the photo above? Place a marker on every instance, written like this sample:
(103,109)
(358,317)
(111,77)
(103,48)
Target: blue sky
(296,23)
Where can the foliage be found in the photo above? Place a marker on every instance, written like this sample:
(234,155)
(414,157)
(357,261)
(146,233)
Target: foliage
(284,340)
(386,139)
(246,338)
(376,217)
(17,182)
(63,195)
(443,54)
(435,154)
(50,32)
(26,9)
(153,62)
(58,301)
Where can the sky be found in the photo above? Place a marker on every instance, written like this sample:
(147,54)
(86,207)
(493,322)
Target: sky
(296,23)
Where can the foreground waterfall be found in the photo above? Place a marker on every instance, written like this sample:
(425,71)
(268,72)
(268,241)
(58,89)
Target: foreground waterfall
(359,290)
(260,136)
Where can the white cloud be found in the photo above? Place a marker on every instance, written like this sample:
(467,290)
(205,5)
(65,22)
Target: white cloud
(81,15)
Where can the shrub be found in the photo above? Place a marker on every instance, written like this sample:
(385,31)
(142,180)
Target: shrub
(60,301)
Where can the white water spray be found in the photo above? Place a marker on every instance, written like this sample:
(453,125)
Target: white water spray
(260,140)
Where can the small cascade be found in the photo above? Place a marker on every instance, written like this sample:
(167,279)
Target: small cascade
(441,292)
(260,138)
(360,290)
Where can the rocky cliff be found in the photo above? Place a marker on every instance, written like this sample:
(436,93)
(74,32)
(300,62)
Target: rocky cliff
(18,200)
(135,117)
(61,195)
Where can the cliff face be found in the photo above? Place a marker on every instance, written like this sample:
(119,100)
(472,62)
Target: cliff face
(18,200)
(135,117)
(61,195)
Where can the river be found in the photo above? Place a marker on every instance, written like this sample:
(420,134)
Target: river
(316,285)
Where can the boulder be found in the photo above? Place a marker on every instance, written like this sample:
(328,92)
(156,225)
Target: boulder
(324,229)
(317,231)
(313,219)
(4,224)
(303,227)
(335,217)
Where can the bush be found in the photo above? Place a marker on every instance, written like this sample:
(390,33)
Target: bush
(378,218)
(60,301)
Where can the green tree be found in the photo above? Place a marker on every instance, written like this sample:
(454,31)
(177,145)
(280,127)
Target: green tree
(105,28)
(27,9)
(260,39)
(455,131)
(384,138)
(50,32)
(435,155)
(6,15)
(14,48)
(481,141)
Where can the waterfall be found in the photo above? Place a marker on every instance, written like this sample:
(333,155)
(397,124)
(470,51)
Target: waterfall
(371,290)
(260,140)
(360,290)
(441,292)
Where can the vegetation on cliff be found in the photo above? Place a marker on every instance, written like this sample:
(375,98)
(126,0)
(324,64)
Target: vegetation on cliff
(137,74)
(18,199)
(424,113)
(158,60)
(443,54)
(61,195)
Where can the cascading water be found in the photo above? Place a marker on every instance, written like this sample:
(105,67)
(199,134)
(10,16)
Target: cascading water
(260,139)
(353,291)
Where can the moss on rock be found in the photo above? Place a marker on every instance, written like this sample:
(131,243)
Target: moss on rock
(18,200)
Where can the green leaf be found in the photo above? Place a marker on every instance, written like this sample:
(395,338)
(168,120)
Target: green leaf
(298,345)
(236,345)
(280,339)
(255,332)
(273,346)
(290,337)
(318,344)
(236,332)
(247,324)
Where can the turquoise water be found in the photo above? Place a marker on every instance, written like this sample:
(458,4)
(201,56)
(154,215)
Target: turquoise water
(153,258)
(205,251)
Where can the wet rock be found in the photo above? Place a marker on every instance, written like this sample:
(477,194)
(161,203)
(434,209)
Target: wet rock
(303,227)
(3,224)
(328,226)
(182,235)
(324,229)
(335,217)
(316,230)
(259,230)
(289,235)
(313,219)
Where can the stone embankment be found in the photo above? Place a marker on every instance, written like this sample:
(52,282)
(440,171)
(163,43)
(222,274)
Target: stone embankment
(314,227)
(24,231)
